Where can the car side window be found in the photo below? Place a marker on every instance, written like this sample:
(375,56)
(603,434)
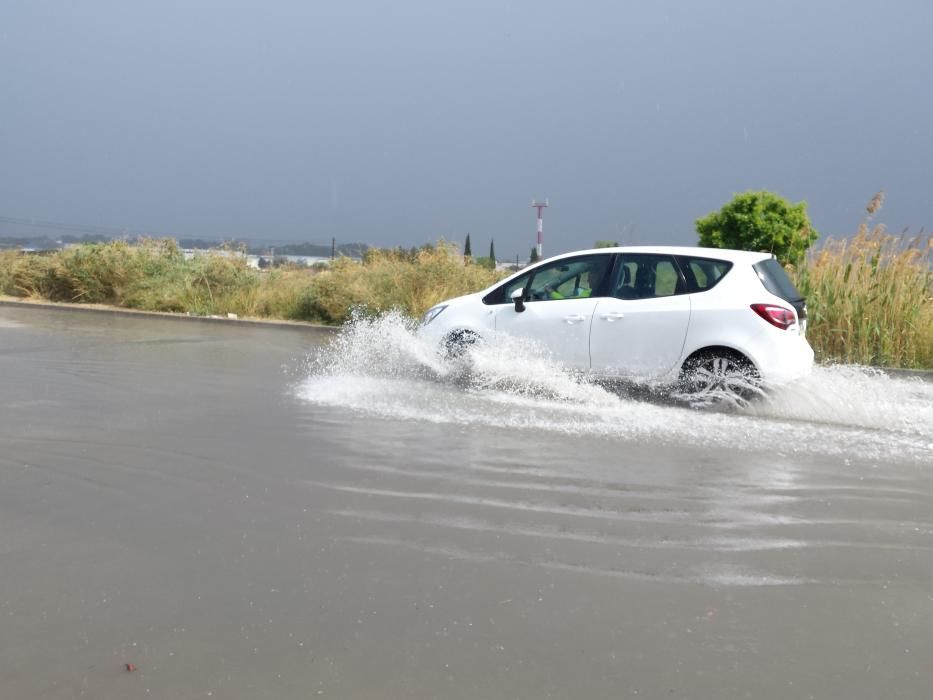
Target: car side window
(569,278)
(646,276)
(703,273)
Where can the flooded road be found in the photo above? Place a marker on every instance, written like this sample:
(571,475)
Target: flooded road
(252,512)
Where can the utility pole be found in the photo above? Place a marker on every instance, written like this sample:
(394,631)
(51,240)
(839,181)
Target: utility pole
(539,206)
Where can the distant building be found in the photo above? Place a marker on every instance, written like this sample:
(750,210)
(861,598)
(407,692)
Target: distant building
(264,262)
(306,260)
(190,253)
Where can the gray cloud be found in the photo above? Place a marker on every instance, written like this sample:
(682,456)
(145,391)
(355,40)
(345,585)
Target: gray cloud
(400,122)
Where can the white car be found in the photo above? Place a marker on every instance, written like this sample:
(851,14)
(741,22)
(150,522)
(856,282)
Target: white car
(705,321)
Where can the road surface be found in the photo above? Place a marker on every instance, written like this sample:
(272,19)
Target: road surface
(249,512)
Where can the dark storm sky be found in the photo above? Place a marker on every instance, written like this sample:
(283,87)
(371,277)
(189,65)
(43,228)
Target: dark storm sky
(401,122)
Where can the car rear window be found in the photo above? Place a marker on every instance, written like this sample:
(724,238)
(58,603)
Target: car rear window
(702,273)
(776,281)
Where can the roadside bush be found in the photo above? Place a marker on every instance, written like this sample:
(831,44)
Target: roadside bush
(96,273)
(90,273)
(154,275)
(213,283)
(759,221)
(7,258)
(387,280)
(286,294)
(870,299)
(31,276)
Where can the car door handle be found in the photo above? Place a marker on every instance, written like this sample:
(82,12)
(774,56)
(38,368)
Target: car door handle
(612,316)
(574,318)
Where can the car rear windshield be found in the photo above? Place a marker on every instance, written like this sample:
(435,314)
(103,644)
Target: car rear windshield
(776,281)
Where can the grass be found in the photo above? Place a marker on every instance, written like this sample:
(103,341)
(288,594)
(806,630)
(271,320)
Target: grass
(870,299)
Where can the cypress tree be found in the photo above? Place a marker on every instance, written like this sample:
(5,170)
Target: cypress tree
(492,250)
(467,250)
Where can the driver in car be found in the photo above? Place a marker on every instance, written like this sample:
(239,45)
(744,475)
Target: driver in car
(592,280)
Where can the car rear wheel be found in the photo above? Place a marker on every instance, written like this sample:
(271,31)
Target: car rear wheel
(719,378)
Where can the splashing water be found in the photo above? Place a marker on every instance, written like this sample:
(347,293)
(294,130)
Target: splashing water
(385,367)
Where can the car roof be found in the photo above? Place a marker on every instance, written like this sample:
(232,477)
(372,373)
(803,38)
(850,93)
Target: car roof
(735,256)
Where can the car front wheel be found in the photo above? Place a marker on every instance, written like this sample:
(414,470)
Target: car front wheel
(458,342)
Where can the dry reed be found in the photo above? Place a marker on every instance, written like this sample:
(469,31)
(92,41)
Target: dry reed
(870,298)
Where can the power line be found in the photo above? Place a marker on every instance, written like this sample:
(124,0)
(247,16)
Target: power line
(78,228)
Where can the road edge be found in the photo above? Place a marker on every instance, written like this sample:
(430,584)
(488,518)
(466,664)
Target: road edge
(118,311)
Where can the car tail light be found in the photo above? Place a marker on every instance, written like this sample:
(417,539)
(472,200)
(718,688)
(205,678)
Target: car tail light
(775,315)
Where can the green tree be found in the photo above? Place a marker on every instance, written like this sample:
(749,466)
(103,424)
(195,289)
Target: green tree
(487,263)
(534,255)
(492,250)
(606,244)
(761,221)
(467,250)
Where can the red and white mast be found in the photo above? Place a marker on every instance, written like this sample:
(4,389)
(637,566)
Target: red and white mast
(539,206)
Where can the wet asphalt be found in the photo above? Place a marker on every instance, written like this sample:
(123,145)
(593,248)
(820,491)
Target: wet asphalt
(170,498)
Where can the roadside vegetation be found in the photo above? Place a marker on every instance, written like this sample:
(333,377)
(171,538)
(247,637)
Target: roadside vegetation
(154,275)
(759,220)
(870,297)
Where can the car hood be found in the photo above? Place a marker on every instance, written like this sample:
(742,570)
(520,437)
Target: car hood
(465,299)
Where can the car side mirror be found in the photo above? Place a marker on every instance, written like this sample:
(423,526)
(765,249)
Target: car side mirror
(518,296)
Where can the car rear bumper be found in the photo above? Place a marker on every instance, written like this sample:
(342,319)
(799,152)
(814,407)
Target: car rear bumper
(782,356)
